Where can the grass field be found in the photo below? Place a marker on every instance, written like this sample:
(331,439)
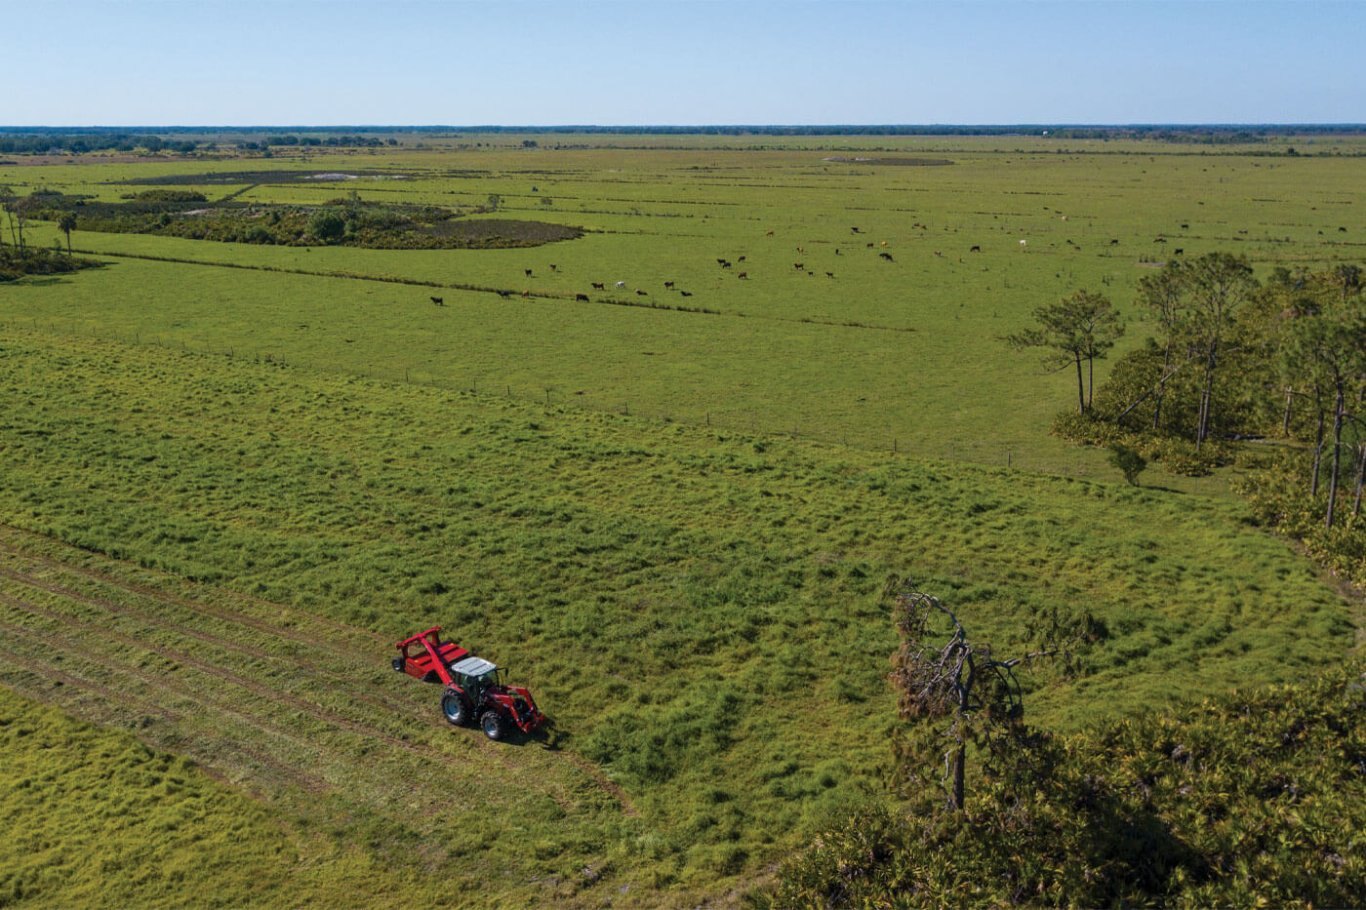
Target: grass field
(234,475)
(902,353)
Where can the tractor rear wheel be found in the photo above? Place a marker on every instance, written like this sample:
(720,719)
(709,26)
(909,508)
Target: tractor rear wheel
(456,708)
(494,725)
(397,665)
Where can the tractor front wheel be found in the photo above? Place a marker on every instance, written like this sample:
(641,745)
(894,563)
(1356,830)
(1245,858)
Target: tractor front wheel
(494,725)
(456,708)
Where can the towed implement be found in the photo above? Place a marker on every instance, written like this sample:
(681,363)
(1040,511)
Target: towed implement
(476,690)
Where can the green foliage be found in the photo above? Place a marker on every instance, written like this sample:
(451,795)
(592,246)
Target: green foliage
(1129,462)
(1277,491)
(16,263)
(1249,799)
(326,225)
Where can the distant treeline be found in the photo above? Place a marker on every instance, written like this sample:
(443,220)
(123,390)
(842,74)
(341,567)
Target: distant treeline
(184,141)
(32,140)
(18,143)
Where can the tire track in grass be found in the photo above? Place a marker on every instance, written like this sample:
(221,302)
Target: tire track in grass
(255,766)
(265,722)
(423,751)
(288,666)
(287,663)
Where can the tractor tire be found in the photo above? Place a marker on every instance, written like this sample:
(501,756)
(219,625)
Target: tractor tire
(495,728)
(397,664)
(456,708)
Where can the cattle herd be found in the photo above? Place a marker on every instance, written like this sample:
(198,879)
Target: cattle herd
(800,266)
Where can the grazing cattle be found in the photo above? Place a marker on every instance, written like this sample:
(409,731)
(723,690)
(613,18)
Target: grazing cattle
(768,233)
(884,244)
(528,272)
(686,293)
(837,251)
(743,275)
(526,293)
(439,301)
(887,256)
(1179,252)
(870,246)
(1024,243)
(599,286)
(854,229)
(554,267)
(669,284)
(721,262)
(621,284)
(801,250)
(1341,229)
(799,265)
(1064,217)
(581,298)
(937,253)
(975,249)
(506,294)
(640,293)
(741,259)
(1185,227)
(1114,241)
(1160,240)
(829,274)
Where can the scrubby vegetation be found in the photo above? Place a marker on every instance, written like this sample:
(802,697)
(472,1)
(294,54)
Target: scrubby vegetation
(345,221)
(1236,359)
(16,263)
(1257,798)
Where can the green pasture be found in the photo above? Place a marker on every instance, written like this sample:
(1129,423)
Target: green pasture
(698,609)
(672,516)
(900,354)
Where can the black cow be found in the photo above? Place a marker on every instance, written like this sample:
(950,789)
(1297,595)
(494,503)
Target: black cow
(887,256)
(581,298)
(439,301)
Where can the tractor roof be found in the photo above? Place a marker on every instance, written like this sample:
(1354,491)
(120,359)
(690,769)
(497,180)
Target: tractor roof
(473,666)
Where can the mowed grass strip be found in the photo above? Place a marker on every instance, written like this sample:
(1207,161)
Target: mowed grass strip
(699,611)
(302,746)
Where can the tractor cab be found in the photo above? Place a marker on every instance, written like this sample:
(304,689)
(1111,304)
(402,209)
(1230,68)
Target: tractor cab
(476,676)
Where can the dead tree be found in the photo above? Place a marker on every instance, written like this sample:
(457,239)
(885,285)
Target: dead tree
(951,679)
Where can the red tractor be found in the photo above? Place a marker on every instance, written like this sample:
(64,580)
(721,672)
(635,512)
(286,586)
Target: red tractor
(475,688)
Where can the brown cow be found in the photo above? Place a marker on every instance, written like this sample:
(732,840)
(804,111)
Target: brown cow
(743,275)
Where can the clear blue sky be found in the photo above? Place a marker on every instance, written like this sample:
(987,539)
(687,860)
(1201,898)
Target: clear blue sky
(466,62)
